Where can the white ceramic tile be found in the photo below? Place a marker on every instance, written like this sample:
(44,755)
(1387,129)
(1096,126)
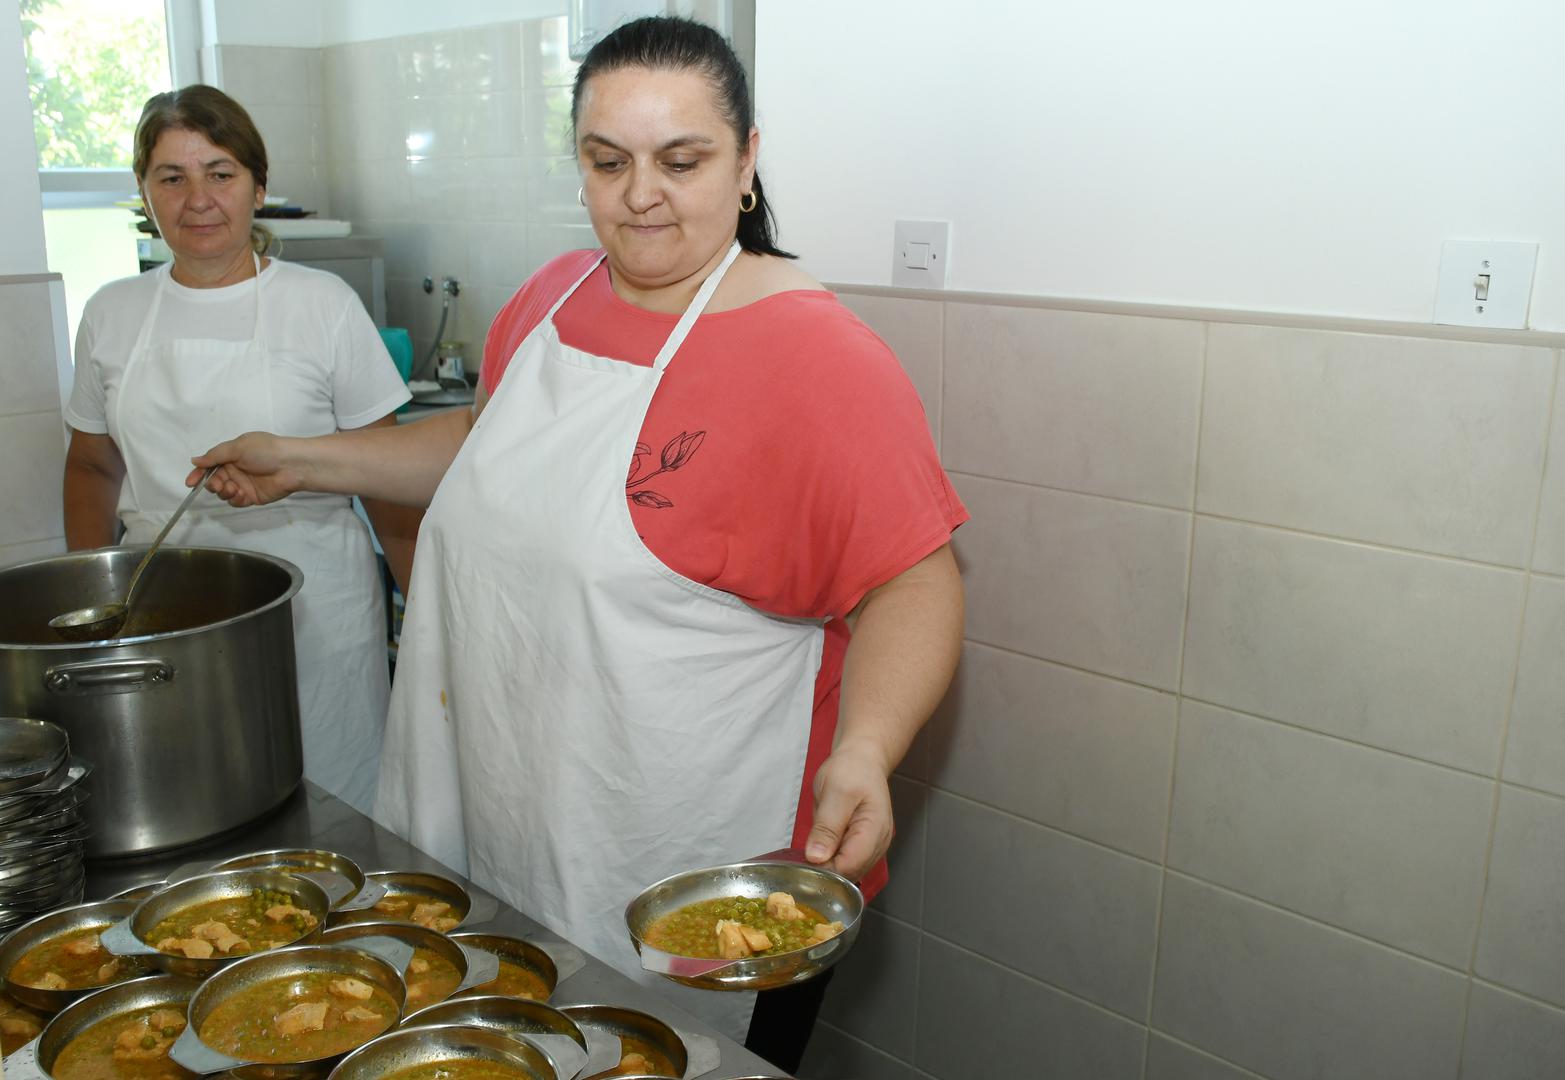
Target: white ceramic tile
(1432,445)
(1549,553)
(545,242)
(1105,404)
(1076,751)
(874,994)
(1402,651)
(1070,913)
(1169,1060)
(552,187)
(1521,943)
(258,76)
(498,255)
(834,1055)
(495,125)
(28,380)
(302,183)
(912,328)
(31,505)
(903,896)
(1094,583)
(1294,1000)
(11,554)
(1369,841)
(493,57)
(979,1019)
(1511,1038)
(437,127)
(433,63)
(546,52)
(361,72)
(1535,744)
(546,117)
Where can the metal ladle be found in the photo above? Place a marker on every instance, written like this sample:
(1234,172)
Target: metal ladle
(104,621)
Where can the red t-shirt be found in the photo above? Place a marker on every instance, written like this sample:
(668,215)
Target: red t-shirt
(785,457)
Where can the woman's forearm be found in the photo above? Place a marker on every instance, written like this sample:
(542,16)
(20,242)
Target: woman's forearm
(90,501)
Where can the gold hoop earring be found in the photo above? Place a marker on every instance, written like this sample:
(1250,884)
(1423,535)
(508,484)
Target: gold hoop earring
(581,195)
(743,209)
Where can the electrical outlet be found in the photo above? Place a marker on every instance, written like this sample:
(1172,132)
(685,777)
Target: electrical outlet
(1485,283)
(920,254)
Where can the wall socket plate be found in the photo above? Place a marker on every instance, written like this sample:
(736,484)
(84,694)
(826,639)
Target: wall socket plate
(1485,283)
(921,254)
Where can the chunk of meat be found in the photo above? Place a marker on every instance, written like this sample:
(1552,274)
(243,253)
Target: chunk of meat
(445,924)
(49,980)
(220,935)
(19,1026)
(731,943)
(196,948)
(391,905)
(633,1063)
(279,912)
(167,1018)
(756,939)
(141,1042)
(306,1016)
(352,988)
(781,905)
(84,946)
(358,1014)
(426,913)
(824,931)
(418,966)
(108,971)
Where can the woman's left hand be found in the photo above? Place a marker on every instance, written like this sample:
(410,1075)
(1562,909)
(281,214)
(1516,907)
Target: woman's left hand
(853,823)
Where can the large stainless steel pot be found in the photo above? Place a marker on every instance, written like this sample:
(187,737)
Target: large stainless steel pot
(191,715)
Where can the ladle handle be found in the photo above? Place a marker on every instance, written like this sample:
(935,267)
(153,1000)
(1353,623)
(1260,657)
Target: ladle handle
(189,498)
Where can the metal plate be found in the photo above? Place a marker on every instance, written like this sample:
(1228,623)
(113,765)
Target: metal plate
(417,937)
(513,950)
(46,928)
(634,1029)
(309,859)
(833,895)
(433,1045)
(122,999)
(415,888)
(557,1035)
(30,750)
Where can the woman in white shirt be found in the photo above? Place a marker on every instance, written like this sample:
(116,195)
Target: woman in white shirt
(220,341)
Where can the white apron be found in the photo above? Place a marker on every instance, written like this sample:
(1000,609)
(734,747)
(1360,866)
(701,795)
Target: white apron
(183,396)
(572,720)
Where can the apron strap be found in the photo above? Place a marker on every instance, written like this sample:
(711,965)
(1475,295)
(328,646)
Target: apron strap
(693,312)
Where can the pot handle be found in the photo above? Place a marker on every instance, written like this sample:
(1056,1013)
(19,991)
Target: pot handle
(23,1063)
(188,1050)
(120,940)
(482,967)
(89,675)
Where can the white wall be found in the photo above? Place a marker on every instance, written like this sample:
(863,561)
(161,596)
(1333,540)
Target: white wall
(1293,156)
(314,23)
(21,206)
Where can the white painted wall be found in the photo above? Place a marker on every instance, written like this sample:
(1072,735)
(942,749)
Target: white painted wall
(314,23)
(1289,156)
(21,205)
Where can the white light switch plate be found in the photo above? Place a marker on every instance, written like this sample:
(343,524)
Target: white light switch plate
(921,253)
(1509,268)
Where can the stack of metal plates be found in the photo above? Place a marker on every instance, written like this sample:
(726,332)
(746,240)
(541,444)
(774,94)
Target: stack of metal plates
(41,826)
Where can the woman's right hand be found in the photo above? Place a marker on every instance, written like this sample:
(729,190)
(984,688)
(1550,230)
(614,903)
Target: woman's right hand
(254,469)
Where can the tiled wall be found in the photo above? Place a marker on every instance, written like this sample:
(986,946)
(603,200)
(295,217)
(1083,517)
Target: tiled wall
(1255,765)
(453,146)
(32,434)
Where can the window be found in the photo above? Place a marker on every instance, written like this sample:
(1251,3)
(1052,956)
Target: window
(91,65)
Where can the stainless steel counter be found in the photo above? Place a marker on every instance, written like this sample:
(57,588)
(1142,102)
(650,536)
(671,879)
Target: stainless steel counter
(311,818)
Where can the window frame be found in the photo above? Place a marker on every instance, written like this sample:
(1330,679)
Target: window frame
(72,189)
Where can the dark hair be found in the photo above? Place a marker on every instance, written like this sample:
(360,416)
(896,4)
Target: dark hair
(664,43)
(220,119)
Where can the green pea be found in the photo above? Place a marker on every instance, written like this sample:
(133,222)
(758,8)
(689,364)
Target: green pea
(148,1042)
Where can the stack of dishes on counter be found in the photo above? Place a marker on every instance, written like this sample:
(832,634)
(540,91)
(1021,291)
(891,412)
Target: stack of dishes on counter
(295,963)
(41,827)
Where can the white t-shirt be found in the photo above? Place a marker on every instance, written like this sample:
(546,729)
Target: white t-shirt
(324,347)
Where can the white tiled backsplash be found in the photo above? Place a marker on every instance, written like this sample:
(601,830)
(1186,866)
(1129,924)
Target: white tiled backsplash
(453,146)
(32,434)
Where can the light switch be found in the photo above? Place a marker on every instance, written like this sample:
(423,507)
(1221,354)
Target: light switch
(1485,283)
(920,254)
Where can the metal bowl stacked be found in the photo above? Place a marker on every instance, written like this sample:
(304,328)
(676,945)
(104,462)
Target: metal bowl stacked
(41,827)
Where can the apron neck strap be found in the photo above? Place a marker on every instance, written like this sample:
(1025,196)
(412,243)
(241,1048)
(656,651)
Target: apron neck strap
(693,312)
(165,275)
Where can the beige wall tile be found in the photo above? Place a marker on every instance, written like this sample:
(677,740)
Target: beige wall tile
(1406,652)
(1103,404)
(1295,1000)
(1549,552)
(912,328)
(903,896)
(1431,445)
(874,994)
(29,382)
(1521,943)
(1169,1060)
(979,1019)
(1369,841)
(1535,743)
(1511,1038)
(1080,752)
(1070,913)
(258,76)
(31,506)
(1089,582)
